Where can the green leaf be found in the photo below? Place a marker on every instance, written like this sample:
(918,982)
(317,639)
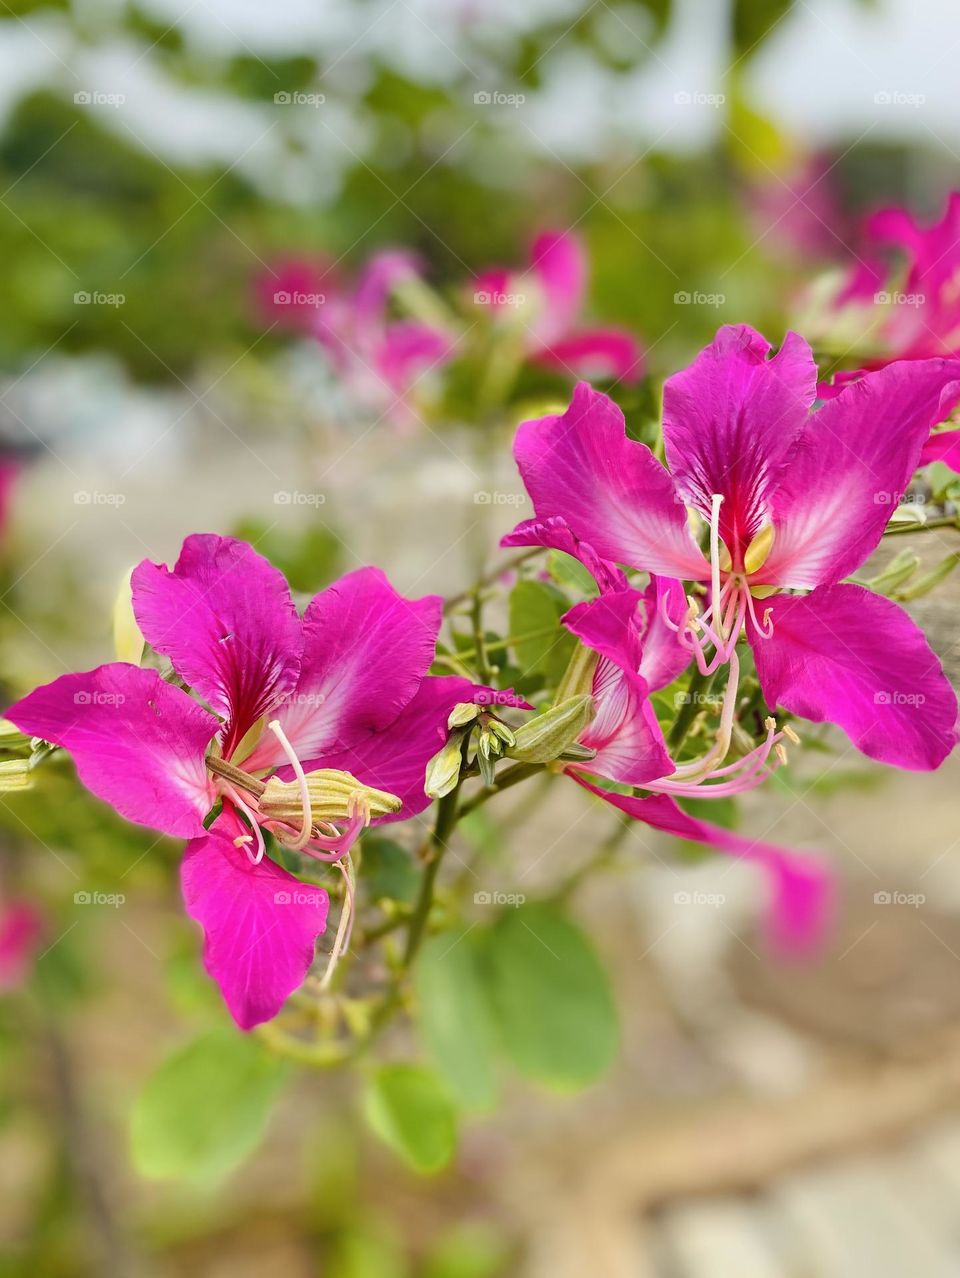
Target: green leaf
(206,1107)
(535,612)
(551,998)
(455,1017)
(570,572)
(409,1110)
(388,870)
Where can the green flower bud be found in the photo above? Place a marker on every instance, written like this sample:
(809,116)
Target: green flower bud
(334,796)
(463,712)
(546,737)
(443,770)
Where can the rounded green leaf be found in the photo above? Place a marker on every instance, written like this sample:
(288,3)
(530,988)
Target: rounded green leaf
(206,1107)
(455,1017)
(551,998)
(409,1110)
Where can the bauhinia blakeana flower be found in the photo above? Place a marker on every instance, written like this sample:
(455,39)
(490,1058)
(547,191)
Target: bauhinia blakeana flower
(545,300)
(791,500)
(316,725)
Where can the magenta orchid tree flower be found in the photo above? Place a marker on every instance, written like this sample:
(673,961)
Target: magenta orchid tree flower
(636,636)
(546,298)
(378,357)
(920,297)
(792,500)
(342,687)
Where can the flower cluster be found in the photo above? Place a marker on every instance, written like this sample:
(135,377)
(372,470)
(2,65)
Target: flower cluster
(388,334)
(271,740)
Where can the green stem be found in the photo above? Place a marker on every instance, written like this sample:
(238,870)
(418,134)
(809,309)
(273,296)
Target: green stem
(696,686)
(944,521)
(437,845)
(489,578)
(519,772)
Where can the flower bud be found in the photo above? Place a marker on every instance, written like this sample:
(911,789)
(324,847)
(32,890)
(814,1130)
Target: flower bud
(923,585)
(577,679)
(443,770)
(334,796)
(546,737)
(463,712)
(14,775)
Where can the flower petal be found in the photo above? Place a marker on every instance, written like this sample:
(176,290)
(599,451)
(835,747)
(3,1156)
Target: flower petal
(731,421)
(395,759)
(21,928)
(560,267)
(663,656)
(366,648)
(847,656)
(854,461)
(259,923)
(624,732)
(943,446)
(555,533)
(800,887)
(604,354)
(225,618)
(611,491)
(138,743)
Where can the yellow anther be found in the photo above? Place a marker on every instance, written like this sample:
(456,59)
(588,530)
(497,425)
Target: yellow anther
(781,752)
(759,549)
(789,733)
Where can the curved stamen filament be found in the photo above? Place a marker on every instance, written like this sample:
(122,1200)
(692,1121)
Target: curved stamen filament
(232,794)
(716,501)
(307,828)
(345,926)
(764,630)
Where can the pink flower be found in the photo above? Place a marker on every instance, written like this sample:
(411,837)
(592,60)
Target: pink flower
(636,636)
(547,298)
(21,928)
(921,297)
(794,500)
(344,686)
(379,358)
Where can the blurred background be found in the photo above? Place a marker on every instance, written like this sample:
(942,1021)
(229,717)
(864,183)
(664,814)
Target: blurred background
(159,162)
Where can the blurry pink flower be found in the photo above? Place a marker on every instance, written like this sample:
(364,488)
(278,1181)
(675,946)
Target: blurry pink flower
(798,210)
(378,357)
(547,298)
(920,296)
(21,928)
